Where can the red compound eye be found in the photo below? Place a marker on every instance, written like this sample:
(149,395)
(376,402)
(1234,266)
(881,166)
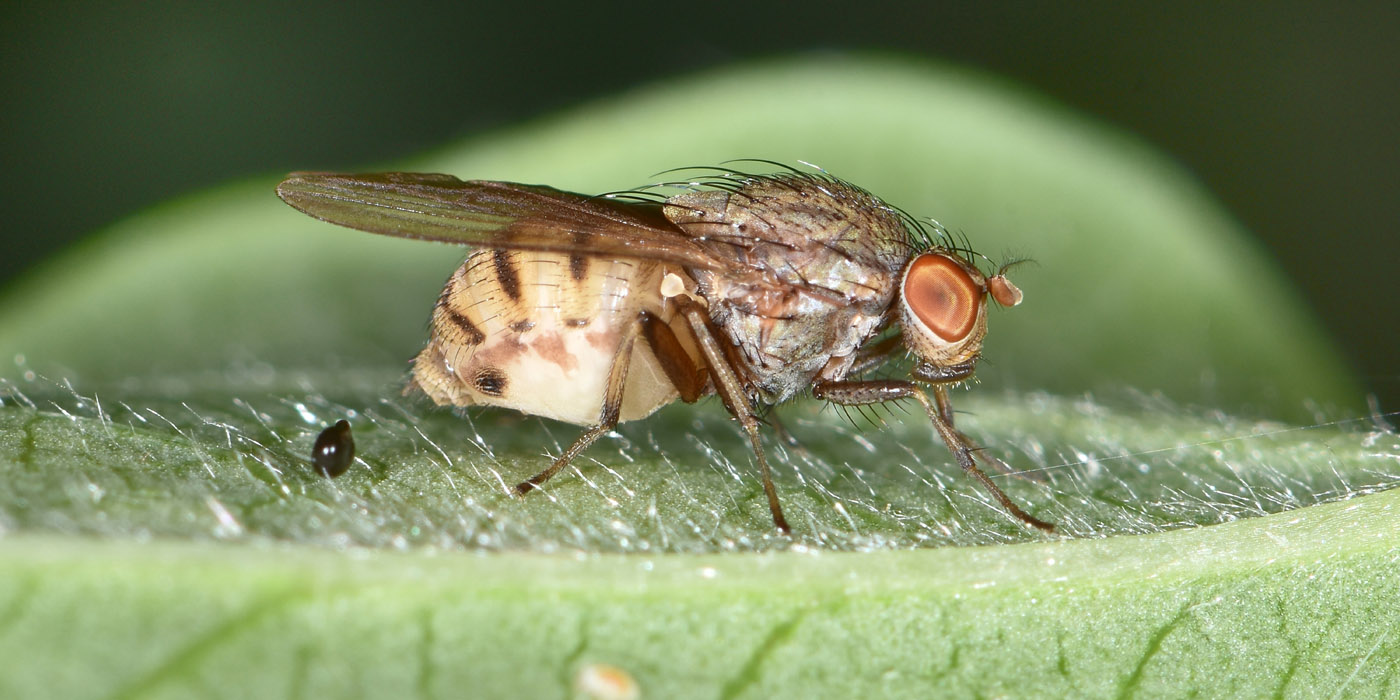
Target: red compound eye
(943,296)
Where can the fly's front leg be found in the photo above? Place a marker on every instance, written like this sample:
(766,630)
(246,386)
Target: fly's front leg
(940,377)
(859,393)
(945,409)
(731,392)
(607,417)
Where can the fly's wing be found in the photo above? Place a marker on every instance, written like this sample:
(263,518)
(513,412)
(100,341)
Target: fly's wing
(495,215)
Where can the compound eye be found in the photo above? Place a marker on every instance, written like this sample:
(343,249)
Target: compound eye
(943,296)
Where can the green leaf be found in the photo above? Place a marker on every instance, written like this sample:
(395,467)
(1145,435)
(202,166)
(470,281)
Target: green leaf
(166,536)
(1291,604)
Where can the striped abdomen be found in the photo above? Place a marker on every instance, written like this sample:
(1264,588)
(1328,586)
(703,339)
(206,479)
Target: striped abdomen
(539,333)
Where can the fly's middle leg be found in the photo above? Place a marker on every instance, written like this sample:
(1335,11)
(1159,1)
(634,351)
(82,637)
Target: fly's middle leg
(731,392)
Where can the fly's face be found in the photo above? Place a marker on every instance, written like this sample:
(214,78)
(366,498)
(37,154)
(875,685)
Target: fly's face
(943,308)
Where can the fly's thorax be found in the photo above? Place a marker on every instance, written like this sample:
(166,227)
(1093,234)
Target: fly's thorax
(801,230)
(816,265)
(540,333)
(943,308)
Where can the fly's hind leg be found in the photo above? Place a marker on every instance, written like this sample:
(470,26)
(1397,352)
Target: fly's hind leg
(857,393)
(607,417)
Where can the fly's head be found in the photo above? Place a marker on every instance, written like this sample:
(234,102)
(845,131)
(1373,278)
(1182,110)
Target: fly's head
(943,311)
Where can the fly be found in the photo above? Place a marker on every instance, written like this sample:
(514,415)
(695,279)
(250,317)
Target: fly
(757,288)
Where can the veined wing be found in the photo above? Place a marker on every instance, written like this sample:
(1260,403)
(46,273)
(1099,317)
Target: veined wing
(496,215)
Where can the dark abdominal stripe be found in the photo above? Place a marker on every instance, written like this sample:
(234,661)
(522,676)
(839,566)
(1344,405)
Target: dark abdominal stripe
(474,336)
(506,274)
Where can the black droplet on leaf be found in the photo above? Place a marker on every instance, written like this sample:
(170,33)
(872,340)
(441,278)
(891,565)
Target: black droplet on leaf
(334,450)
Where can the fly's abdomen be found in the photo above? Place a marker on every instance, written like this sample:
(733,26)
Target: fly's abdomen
(540,333)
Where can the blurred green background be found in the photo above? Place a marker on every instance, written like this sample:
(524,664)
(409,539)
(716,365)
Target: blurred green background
(1286,111)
